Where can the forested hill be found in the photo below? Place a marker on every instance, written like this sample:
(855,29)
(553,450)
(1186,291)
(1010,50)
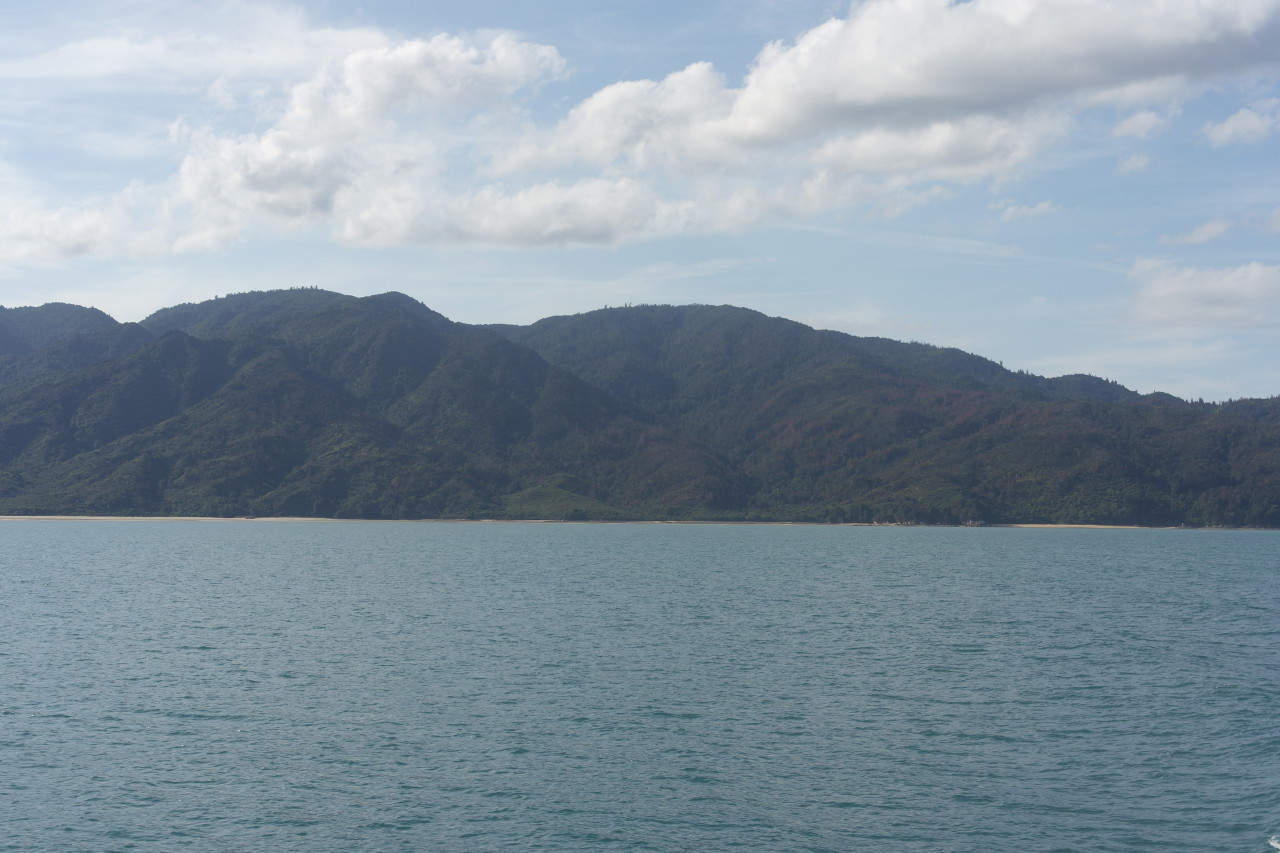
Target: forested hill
(305,402)
(832,426)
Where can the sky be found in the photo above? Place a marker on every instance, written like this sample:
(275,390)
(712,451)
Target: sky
(1063,186)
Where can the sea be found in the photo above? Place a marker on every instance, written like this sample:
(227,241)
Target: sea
(261,686)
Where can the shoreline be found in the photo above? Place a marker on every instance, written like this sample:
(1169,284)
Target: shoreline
(311,520)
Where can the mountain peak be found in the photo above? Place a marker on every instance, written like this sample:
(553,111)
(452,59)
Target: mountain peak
(24,330)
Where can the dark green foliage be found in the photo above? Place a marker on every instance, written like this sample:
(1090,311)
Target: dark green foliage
(831,427)
(311,403)
(24,330)
(75,351)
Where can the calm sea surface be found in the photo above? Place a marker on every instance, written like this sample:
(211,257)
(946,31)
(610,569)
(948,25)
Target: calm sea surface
(318,687)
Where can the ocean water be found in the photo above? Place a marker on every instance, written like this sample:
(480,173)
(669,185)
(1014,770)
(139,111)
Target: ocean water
(313,686)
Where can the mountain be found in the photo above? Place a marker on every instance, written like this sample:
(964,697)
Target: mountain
(311,403)
(833,427)
(24,330)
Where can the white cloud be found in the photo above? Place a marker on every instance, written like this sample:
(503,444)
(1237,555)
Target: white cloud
(1201,297)
(228,41)
(33,230)
(1132,164)
(339,150)
(337,153)
(961,150)
(647,123)
(384,141)
(1251,124)
(593,211)
(897,67)
(1018,211)
(884,107)
(914,61)
(1211,230)
(1141,125)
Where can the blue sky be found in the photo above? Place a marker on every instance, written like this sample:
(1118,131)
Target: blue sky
(1066,186)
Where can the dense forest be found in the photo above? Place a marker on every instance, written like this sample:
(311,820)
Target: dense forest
(310,403)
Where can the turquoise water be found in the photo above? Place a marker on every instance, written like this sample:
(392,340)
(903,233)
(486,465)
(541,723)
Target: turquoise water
(252,686)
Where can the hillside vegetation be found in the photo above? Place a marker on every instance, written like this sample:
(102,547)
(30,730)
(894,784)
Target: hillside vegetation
(310,403)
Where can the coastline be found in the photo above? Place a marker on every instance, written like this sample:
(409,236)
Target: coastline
(4,518)
(1091,527)
(313,520)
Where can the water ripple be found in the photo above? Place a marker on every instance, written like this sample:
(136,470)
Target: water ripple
(338,687)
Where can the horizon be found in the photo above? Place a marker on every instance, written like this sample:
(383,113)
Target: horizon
(1071,187)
